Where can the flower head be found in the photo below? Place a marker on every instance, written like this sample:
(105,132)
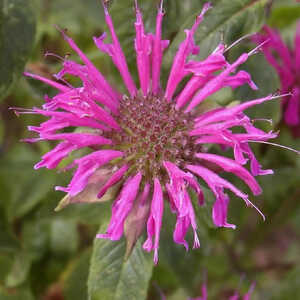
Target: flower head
(151,143)
(287,64)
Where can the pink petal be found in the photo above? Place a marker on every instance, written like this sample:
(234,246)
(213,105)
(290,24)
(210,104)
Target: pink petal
(121,208)
(155,220)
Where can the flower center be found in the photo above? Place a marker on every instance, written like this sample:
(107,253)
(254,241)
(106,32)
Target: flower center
(153,132)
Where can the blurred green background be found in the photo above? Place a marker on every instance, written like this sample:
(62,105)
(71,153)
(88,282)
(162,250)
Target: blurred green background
(51,255)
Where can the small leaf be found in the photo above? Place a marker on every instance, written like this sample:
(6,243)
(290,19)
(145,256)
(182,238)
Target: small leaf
(17,30)
(113,278)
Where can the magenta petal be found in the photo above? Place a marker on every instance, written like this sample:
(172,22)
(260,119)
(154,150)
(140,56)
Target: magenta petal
(181,228)
(186,48)
(143,48)
(94,73)
(118,57)
(219,213)
(297,48)
(216,83)
(51,159)
(121,208)
(155,220)
(158,47)
(231,166)
(87,165)
(292,112)
(52,83)
(116,177)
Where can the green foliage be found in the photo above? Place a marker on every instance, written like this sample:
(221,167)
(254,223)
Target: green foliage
(17,29)
(54,255)
(113,277)
(228,21)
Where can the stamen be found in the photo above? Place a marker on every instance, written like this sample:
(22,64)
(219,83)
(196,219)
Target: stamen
(257,49)
(54,55)
(105,4)
(276,145)
(161,5)
(238,41)
(19,110)
(249,203)
(275,96)
(64,81)
(270,121)
(62,31)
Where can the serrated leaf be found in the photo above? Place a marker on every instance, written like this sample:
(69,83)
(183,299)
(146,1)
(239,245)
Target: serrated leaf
(113,278)
(17,30)
(228,20)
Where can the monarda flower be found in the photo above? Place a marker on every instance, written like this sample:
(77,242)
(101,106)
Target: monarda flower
(152,141)
(204,294)
(235,296)
(287,64)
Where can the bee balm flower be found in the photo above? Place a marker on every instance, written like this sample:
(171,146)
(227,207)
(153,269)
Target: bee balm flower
(236,295)
(287,64)
(150,142)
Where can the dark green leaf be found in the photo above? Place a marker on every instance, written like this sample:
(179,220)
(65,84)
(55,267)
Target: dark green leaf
(284,15)
(17,28)
(24,187)
(113,278)
(227,19)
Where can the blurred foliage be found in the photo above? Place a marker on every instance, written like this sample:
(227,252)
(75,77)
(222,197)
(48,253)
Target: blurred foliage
(47,255)
(17,23)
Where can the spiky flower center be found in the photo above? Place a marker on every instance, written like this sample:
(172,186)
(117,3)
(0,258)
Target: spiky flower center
(153,131)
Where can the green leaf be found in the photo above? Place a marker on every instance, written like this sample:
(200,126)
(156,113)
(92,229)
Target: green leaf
(113,278)
(284,15)
(229,20)
(21,185)
(17,30)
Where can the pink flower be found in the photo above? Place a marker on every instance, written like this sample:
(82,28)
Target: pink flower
(204,294)
(236,295)
(287,64)
(150,143)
